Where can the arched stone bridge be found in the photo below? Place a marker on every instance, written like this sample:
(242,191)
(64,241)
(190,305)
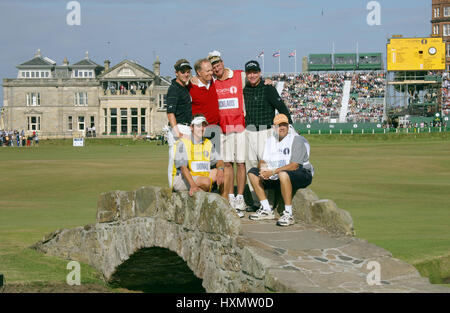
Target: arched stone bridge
(317,254)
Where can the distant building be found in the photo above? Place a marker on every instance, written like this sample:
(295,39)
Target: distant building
(440,24)
(69,99)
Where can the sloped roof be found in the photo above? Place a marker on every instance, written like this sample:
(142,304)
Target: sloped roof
(133,64)
(37,61)
(86,62)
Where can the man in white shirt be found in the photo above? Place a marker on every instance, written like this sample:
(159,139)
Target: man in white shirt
(285,165)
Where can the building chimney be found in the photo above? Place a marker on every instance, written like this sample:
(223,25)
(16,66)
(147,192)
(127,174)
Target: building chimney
(156,66)
(107,65)
(65,62)
(38,53)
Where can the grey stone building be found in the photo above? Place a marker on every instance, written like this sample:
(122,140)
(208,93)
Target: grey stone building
(67,100)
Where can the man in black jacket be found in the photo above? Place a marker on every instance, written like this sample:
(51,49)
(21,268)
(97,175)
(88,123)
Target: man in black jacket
(261,101)
(179,109)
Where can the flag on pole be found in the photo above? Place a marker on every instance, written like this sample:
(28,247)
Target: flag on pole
(261,54)
(293,54)
(276,54)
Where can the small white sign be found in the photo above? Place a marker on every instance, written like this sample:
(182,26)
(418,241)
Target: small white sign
(78,142)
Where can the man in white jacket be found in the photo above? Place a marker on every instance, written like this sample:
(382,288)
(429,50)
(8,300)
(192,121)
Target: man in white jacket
(285,165)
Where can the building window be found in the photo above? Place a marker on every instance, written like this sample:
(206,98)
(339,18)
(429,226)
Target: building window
(81,98)
(105,113)
(92,121)
(436,30)
(143,120)
(124,120)
(69,123)
(162,102)
(81,74)
(134,120)
(113,113)
(446,30)
(34,123)
(438,12)
(33,99)
(80,122)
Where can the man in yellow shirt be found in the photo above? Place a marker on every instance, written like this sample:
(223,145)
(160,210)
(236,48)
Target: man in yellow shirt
(194,159)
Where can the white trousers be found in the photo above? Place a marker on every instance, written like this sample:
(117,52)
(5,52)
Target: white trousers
(184,129)
(256,141)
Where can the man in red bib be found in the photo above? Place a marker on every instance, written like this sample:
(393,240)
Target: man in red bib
(229,86)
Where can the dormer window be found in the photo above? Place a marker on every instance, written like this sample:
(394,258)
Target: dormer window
(34,74)
(83,73)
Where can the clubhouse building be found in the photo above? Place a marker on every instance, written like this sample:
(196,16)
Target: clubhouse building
(68,100)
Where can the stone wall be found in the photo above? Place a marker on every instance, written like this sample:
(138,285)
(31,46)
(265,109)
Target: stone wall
(203,230)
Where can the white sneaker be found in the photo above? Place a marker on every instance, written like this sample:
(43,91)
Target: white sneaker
(240,213)
(239,204)
(286,220)
(262,214)
(232,202)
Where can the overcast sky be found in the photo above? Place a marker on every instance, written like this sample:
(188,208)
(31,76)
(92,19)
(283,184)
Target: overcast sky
(174,29)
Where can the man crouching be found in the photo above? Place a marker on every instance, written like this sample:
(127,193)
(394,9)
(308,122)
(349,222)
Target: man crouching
(285,165)
(193,159)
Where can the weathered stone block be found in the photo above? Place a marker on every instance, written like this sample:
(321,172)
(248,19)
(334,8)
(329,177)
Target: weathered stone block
(145,201)
(325,213)
(302,203)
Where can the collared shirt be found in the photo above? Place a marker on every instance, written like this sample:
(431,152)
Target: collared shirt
(200,84)
(261,101)
(205,101)
(179,102)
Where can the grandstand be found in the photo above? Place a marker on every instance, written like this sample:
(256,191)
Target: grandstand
(333,97)
(355,88)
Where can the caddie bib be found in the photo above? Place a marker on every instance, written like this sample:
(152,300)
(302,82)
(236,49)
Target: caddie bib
(199,157)
(278,153)
(231,103)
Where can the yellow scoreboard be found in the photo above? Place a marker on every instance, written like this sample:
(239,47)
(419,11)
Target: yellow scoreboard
(415,54)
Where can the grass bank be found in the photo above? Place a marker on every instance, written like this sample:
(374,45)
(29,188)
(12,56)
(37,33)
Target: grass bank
(395,187)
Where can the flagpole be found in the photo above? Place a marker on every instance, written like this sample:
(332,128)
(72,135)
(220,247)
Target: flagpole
(295,59)
(263,62)
(279,63)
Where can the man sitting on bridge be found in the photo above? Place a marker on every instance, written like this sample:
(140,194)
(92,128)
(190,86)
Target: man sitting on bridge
(285,165)
(193,159)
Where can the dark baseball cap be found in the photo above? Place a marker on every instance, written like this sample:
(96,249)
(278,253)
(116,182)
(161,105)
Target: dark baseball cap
(182,63)
(252,66)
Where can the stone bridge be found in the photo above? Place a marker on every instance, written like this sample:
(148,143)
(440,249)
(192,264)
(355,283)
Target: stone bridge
(317,254)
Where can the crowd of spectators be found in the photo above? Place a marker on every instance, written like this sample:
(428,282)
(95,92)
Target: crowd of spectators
(123,90)
(446,94)
(318,96)
(14,138)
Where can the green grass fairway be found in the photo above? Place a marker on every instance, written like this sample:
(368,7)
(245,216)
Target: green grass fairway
(396,187)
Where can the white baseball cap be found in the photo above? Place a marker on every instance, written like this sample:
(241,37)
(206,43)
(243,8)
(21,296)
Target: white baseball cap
(199,120)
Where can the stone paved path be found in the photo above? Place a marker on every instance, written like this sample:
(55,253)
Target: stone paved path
(306,258)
